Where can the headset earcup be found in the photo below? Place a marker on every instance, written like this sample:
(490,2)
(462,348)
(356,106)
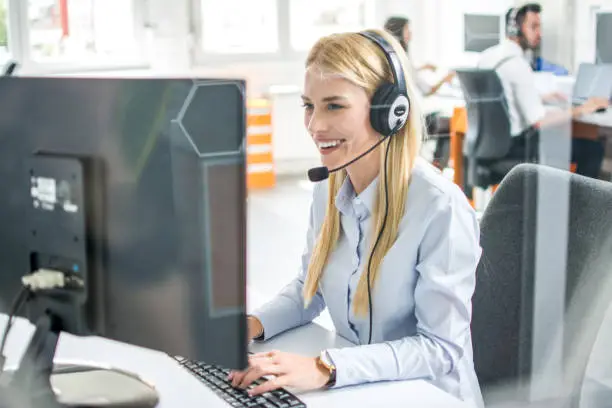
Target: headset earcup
(380,108)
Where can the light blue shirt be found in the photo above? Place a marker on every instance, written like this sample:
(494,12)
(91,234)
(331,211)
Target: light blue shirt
(422,296)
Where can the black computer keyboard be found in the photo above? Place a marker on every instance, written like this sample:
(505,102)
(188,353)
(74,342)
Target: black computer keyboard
(215,378)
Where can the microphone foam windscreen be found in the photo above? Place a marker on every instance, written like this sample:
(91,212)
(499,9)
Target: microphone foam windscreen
(318,174)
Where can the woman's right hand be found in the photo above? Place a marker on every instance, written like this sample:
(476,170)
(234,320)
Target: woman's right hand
(593,104)
(254,328)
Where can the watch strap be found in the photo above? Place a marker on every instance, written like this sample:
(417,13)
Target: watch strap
(325,360)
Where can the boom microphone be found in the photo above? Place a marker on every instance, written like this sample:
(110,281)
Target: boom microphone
(321,173)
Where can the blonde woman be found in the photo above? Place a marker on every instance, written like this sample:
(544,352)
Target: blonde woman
(426,242)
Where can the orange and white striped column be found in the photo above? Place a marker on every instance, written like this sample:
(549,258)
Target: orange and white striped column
(260,158)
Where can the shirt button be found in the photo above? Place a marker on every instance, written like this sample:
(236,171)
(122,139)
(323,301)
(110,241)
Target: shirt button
(357,201)
(356,262)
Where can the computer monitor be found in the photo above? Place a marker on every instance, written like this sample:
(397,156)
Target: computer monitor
(603,46)
(136,188)
(481,31)
(592,80)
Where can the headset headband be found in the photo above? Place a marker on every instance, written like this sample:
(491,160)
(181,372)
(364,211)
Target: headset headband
(392,58)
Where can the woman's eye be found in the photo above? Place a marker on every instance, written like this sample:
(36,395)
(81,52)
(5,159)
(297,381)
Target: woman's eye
(333,106)
(308,106)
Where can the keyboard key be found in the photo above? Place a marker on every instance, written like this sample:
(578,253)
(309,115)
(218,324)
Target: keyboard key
(215,378)
(272,398)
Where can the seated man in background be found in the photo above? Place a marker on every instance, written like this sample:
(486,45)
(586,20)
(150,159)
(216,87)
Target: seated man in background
(526,109)
(438,125)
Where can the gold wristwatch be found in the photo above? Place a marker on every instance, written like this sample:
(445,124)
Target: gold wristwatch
(324,361)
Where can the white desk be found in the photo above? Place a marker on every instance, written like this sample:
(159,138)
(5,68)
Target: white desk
(446,105)
(603,119)
(177,388)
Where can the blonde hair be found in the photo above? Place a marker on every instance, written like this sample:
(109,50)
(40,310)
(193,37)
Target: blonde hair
(360,61)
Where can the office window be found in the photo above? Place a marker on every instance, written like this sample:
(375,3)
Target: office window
(4,30)
(239,26)
(312,19)
(79,31)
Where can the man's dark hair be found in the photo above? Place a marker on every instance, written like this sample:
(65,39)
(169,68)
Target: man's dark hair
(395,26)
(522,12)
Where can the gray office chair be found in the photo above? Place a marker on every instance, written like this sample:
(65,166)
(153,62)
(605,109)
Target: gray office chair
(503,303)
(488,138)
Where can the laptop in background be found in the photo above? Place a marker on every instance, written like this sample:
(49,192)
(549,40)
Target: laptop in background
(592,80)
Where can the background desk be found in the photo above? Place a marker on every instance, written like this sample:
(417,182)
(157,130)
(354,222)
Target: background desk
(601,120)
(178,388)
(590,126)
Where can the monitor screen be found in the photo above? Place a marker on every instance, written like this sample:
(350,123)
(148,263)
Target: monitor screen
(603,38)
(481,31)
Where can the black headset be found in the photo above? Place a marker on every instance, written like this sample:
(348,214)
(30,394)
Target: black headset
(390,105)
(389,111)
(512,27)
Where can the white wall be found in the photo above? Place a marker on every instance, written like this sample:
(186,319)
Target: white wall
(438,38)
(170,46)
(169,39)
(584,33)
(569,30)
(558,31)
(437,27)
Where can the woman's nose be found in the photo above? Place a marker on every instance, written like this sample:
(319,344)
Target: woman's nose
(316,123)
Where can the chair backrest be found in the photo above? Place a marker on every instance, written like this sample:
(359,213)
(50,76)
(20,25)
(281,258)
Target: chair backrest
(488,135)
(503,303)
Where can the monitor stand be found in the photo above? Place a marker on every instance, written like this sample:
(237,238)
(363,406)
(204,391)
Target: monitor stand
(38,383)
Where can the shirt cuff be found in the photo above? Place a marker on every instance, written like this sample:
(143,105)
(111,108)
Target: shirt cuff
(274,320)
(363,364)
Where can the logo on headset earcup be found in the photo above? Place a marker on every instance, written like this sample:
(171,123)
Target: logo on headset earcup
(512,29)
(389,108)
(398,114)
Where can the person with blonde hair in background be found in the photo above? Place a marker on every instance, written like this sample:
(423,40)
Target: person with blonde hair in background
(392,246)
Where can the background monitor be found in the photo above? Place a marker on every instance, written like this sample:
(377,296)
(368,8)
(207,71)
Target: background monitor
(603,42)
(481,31)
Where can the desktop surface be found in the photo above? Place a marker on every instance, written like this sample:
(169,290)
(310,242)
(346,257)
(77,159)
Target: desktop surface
(177,387)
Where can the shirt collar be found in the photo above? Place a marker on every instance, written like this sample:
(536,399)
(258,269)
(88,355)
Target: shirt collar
(349,203)
(512,47)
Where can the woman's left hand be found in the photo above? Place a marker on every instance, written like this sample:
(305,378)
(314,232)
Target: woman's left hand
(289,370)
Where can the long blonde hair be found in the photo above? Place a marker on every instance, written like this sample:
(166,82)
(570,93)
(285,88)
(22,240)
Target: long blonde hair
(360,61)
